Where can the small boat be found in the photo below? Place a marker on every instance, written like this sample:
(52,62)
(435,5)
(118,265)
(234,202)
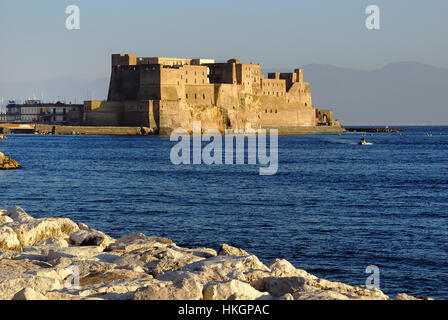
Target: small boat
(363,142)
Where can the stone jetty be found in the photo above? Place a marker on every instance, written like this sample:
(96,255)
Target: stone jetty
(8,163)
(59,259)
(374,130)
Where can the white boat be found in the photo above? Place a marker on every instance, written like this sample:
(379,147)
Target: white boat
(363,142)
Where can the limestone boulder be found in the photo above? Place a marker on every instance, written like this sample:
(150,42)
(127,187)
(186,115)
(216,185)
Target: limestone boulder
(52,243)
(4,220)
(8,163)
(279,286)
(75,253)
(183,289)
(18,215)
(37,230)
(174,257)
(120,289)
(353,292)
(90,238)
(283,268)
(8,239)
(227,250)
(15,275)
(138,241)
(29,294)
(226,268)
(404,296)
(233,290)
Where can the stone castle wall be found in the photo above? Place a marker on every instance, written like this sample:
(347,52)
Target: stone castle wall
(173,93)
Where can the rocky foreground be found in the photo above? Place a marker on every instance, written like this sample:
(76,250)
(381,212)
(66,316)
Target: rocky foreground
(8,163)
(58,259)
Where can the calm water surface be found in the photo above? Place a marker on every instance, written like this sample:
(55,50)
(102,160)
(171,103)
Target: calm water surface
(333,208)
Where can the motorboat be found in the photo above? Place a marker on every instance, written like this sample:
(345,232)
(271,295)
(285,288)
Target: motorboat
(363,142)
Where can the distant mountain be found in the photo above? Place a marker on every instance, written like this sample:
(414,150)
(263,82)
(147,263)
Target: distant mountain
(61,88)
(402,93)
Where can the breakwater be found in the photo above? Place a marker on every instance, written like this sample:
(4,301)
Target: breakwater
(59,259)
(373,130)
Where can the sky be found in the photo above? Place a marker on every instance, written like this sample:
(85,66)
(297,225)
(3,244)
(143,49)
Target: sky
(35,44)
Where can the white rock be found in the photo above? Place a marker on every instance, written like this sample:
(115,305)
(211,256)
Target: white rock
(52,243)
(15,276)
(87,252)
(137,241)
(33,231)
(227,250)
(18,215)
(226,268)
(233,290)
(5,220)
(29,294)
(282,268)
(8,239)
(90,238)
(183,289)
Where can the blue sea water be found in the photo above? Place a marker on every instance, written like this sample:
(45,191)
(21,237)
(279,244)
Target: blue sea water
(333,208)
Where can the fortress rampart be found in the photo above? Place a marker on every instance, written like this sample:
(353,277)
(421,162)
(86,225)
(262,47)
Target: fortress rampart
(167,93)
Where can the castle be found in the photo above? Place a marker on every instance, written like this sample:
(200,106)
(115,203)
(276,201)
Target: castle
(168,93)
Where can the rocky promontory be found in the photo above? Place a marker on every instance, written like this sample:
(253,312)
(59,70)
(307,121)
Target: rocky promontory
(58,259)
(8,163)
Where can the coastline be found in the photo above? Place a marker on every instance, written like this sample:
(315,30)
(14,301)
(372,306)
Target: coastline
(59,259)
(138,131)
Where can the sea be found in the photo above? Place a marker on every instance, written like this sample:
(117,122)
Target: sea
(333,208)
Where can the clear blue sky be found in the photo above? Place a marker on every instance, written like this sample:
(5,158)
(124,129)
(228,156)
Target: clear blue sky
(278,34)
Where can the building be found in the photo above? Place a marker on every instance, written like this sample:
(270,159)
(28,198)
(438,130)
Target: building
(36,111)
(168,93)
(325,118)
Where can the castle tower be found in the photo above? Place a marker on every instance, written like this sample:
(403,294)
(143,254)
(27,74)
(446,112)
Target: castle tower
(299,73)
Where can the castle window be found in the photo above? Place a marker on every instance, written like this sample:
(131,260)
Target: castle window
(186,80)
(271,110)
(203,81)
(203,96)
(195,96)
(194,80)
(266,110)
(186,95)
(275,110)
(306,104)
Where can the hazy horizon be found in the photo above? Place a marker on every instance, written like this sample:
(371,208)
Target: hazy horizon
(42,56)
